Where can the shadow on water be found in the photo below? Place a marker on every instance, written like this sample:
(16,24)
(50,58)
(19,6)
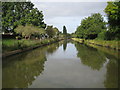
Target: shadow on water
(96,59)
(22,69)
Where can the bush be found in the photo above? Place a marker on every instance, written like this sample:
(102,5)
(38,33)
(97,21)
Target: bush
(13,44)
(101,35)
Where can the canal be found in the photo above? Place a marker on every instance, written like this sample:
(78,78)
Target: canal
(65,64)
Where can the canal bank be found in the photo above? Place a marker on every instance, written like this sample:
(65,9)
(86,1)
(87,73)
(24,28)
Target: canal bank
(107,44)
(23,48)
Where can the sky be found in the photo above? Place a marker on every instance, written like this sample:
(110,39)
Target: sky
(69,14)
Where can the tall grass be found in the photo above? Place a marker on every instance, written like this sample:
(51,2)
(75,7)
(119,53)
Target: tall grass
(115,44)
(12,44)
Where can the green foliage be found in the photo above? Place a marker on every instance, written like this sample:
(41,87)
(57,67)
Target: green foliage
(91,26)
(52,32)
(15,13)
(64,30)
(28,30)
(12,44)
(105,43)
(49,31)
(113,13)
(73,35)
(56,31)
(101,35)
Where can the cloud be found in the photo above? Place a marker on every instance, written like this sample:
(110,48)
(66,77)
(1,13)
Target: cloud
(71,0)
(68,13)
(70,9)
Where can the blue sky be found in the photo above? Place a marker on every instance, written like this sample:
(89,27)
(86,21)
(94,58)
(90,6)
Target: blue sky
(69,14)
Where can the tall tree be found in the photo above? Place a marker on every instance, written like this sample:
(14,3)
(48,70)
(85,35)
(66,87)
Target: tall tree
(91,26)
(113,13)
(12,13)
(15,13)
(50,32)
(56,31)
(64,30)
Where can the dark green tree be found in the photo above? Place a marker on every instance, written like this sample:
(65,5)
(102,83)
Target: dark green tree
(50,32)
(113,13)
(56,31)
(20,13)
(12,12)
(64,30)
(91,26)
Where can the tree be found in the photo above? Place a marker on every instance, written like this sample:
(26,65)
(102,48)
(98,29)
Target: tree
(29,30)
(56,31)
(39,32)
(91,26)
(64,30)
(19,30)
(50,32)
(35,17)
(113,13)
(12,13)
(20,13)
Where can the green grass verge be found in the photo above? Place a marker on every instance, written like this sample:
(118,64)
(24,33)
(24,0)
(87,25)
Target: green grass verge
(110,44)
(12,44)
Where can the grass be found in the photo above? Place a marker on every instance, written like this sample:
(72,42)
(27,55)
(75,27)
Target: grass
(110,44)
(12,44)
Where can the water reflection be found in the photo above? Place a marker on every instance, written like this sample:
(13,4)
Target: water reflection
(111,80)
(65,45)
(21,70)
(75,65)
(52,48)
(96,59)
(90,56)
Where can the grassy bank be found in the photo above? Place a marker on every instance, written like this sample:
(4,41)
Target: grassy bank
(112,46)
(109,44)
(12,44)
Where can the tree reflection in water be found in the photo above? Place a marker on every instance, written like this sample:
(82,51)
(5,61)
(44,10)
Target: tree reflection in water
(65,45)
(95,59)
(90,56)
(111,80)
(21,70)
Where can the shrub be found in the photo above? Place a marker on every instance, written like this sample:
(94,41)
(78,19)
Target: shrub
(101,35)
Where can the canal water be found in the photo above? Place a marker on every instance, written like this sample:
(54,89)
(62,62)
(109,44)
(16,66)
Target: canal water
(65,64)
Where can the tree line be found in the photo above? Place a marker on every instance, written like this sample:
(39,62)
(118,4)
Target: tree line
(20,13)
(25,21)
(94,26)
